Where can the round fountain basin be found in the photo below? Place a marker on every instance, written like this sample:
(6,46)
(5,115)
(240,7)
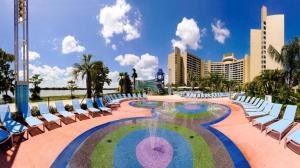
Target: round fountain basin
(192,108)
(154,152)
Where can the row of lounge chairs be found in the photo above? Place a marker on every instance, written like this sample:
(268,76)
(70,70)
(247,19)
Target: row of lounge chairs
(190,94)
(266,115)
(13,127)
(115,99)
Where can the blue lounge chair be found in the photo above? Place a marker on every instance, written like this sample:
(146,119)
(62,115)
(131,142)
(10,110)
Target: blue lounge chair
(124,95)
(283,124)
(268,118)
(139,96)
(46,113)
(32,121)
(252,102)
(11,125)
(293,138)
(144,95)
(256,104)
(77,109)
(265,111)
(90,106)
(4,136)
(60,107)
(260,108)
(101,106)
(240,100)
(129,96)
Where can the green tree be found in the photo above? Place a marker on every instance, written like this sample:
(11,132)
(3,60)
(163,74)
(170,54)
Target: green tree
(127,83)
(121,82)
(35,80)
(134,76)
(289,58)
(99,77)
(192,79)
(72,86)
(7,76)
(230,84)
(84,69)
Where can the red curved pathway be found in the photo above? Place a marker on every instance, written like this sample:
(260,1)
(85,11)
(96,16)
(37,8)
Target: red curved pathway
(260,150)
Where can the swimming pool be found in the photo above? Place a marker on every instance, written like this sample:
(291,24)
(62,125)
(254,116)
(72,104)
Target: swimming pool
(165,140)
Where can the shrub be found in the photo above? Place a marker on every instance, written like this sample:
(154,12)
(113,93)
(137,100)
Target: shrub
(69,107)
(83,106)
(52,109)
(35,111)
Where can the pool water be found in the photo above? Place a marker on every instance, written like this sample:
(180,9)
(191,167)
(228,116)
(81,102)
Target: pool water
(172,138)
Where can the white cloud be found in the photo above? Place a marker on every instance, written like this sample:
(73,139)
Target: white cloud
(114,47)
(33,55)
(220,32)
(145,65)
(54,76)
(70,45)
(114,76)
(189,35)
(127,59)
(115,20)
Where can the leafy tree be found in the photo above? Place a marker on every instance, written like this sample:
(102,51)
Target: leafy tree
(72,86)
(85,69)
(134,76)
(35,80)
(121,82)
(7,76)
(99,77)
(192,79)
(289,58)
(230,84)
(127,83)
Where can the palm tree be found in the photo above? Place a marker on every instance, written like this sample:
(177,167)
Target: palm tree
(229,84)
(99,76)
(121,81)
(127,83)
(192,79)
(134,76)
(289,58)
(85,70)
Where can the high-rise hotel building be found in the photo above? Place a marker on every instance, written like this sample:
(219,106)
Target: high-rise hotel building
(180,64)
(230,67)
(243,70)
(271,32)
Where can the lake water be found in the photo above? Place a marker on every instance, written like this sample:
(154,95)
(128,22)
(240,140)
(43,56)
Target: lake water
(46,93)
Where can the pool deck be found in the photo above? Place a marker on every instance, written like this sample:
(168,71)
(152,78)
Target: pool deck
(260,150)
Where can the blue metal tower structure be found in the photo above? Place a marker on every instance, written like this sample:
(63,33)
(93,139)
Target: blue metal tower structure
(22,54)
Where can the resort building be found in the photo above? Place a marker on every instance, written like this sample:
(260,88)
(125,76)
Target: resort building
(271,32)
(243,70)
(180,64)
(230,67)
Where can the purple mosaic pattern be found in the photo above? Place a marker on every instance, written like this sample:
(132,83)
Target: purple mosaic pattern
(154,152)
(191,106)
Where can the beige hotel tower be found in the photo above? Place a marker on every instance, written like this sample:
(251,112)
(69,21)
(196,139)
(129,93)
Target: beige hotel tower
(243,70)
(270,33)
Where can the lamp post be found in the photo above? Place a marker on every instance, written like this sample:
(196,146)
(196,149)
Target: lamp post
(21,54)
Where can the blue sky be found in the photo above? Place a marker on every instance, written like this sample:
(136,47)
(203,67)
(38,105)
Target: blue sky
(137,33)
